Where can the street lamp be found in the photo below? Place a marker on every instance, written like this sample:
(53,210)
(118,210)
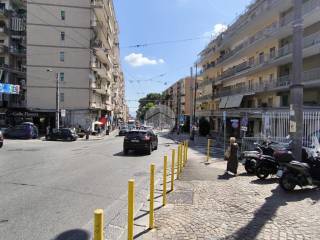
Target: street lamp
(57,99)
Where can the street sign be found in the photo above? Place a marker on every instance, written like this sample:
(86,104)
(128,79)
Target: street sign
(9,88)
(63,113)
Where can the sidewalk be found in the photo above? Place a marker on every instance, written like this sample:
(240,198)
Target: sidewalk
(100,137)
(207,205)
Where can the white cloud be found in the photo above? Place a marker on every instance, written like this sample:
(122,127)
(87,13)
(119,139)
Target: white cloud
(217,29)
(138,60)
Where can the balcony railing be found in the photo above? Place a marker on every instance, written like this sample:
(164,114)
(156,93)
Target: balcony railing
(204,97)
(284,81)
(308,41)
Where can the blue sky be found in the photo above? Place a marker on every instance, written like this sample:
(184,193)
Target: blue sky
(154,68)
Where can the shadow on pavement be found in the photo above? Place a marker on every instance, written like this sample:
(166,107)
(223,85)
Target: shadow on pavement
(266,212)
(130,154)
(265,181)
(74,234)
(225,176)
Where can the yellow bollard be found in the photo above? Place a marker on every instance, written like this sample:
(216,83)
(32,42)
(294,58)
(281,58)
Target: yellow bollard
(151,213)
(180,160)
(208,149)
(178,163)
(172,168)
(98,233)
(164,191)
(185,153)
(182,154)
(130,208)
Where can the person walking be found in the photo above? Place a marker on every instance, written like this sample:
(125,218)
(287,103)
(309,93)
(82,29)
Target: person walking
(232,165)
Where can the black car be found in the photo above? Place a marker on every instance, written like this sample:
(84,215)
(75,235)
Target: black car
(64,134)
(22,131)
(140,140)
(123,131)
(1,139)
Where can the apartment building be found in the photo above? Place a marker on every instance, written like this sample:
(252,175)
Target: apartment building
(73,44)
(247,70)
(179,99)
(12,58)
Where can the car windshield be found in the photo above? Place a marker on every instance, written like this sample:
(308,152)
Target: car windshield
(136,134)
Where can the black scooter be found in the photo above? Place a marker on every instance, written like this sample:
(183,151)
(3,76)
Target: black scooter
(250,159)
(306,173)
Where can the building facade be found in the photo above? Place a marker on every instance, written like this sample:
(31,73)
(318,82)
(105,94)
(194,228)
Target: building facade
(247,70)
(178,97)
(12,59)
(76,43)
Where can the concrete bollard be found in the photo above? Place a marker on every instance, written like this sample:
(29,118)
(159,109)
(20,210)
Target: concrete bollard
(164,191)
(130,208)
(98,233)
(151,210)
(172,168)
(208,149)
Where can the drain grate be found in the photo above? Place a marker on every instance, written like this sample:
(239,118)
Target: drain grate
(182,197)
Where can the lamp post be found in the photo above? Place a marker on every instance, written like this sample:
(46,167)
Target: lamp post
(57,99)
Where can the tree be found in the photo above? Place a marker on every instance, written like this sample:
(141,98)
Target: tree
(146,103)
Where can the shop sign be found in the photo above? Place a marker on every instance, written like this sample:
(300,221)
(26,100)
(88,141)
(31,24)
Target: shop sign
(23,114)
(235,123)
(9,88)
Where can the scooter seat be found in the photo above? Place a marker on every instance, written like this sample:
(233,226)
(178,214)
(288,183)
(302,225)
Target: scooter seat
(306,165)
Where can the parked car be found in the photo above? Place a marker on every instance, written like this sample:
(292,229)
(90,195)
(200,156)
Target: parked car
(23,131)
(140,140)
(123,131)
(1,139)
(63,134)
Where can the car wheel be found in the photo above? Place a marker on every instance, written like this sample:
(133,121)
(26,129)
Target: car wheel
(125,151)
(149,150)
(249,167)
(1,144)
(287,181)
(156,146)
(69,139)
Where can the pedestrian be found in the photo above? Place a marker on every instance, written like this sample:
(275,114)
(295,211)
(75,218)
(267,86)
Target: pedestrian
(232,165)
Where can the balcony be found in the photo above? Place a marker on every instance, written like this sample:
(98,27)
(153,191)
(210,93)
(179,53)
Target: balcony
(269,31)
(309,41)
(17,51)
(203,98)
(281,83)
(3,49)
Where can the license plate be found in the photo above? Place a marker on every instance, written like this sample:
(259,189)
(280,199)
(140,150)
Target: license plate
(135,141)
(279,173)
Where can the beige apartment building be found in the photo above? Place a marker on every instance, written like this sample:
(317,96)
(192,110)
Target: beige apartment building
(179,99)
(76,43)
(247,70)
(12,59)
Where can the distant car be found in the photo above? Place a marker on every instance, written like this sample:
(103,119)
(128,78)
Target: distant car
(23,131)
(140,140)
(1,139)
(123,131)
(63,134)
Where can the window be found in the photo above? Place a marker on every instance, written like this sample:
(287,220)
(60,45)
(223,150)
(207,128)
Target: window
(285,100)
(272,52)
(251,61)
(261,57)
(270,101)
(61,56)
(61,97)
(61,76)
(2,61)
(62,36)
(260,81)
(1,40)
(271,77)
(63,15)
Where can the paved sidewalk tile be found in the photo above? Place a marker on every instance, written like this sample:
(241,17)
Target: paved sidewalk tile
(208,205)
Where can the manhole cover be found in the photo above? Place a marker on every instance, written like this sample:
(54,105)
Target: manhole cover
(185,197)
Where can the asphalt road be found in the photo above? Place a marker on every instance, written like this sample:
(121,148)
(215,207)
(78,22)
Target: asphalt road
(49,190)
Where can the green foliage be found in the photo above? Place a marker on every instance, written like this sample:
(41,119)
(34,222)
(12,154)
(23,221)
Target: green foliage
(204,127)
(146,103)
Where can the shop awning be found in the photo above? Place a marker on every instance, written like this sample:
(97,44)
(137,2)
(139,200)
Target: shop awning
(223,102)
(234,101)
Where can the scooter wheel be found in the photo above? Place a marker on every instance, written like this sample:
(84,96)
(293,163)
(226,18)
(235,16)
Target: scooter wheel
(287,182)
(250,169)
(262,173)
